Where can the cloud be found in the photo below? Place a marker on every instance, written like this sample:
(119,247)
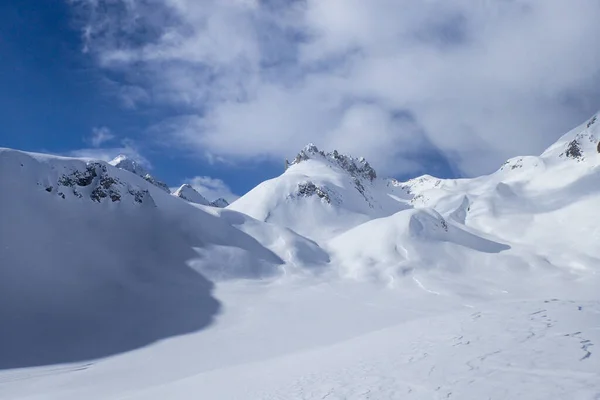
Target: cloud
(100,135)
(476,82)
(212,188)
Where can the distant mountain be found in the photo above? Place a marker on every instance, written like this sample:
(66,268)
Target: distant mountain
(188,193)
(128,164)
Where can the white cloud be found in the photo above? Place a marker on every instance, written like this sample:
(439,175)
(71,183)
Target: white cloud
(388,79)
(212,188)
(100,135)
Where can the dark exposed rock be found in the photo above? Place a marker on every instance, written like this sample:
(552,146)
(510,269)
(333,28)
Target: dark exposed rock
(308,189)
(102,185)
(444,224)
(592,121)
(574,150)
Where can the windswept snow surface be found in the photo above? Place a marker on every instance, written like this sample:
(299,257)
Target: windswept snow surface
(327,282)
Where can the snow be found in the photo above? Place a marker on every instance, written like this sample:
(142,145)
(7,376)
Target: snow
(327,282)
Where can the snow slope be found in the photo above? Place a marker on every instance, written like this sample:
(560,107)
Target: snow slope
(327,282)
(545,203)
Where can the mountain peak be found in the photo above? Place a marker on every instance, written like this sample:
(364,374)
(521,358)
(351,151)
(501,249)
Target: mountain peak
(188,193)
(124,162)
(579,144)
(356,167)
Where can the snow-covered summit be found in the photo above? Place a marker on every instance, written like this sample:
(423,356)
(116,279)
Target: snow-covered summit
(126,163)
(188,193)
(357,167)
(220,203)
(321,194)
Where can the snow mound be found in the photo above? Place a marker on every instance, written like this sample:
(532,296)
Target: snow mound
(417,239)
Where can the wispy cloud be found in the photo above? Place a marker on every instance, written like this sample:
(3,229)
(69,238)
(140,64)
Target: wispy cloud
(477,82)
(99,136)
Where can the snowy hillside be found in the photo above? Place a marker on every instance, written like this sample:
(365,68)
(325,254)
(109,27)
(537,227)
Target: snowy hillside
(327,282)
(546,203)
(91,252)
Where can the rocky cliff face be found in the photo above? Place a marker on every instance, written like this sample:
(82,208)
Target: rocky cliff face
(96,183)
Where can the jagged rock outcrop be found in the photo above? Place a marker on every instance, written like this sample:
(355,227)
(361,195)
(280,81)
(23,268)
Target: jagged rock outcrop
(357,167)
(309,189)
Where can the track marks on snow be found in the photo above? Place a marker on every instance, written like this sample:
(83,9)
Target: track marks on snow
(532,345)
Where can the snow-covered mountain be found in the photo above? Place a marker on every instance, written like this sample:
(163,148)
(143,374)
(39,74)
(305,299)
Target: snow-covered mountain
(328,281)
(322,194)
(128,164)
(90,253)
(188,193)
(544,202)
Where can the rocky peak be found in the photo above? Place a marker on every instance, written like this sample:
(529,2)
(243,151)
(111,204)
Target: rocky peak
(128,164)
(188,193)
(357,167)
(220,203)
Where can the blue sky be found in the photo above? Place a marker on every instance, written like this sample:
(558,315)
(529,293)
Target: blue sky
(220,93)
